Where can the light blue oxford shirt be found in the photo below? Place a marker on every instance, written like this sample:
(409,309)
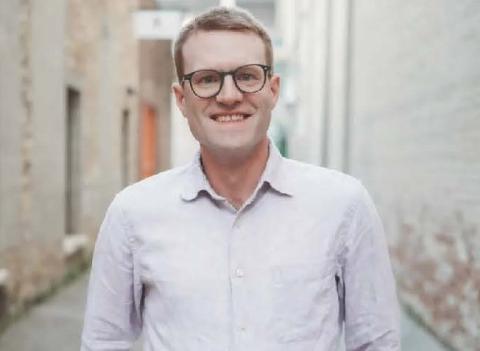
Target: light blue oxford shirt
(304,256)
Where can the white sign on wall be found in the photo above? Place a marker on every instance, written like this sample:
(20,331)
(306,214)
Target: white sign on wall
(157,24)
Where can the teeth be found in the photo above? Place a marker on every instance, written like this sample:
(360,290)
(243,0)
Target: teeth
(230,118)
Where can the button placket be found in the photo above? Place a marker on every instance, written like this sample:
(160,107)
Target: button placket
(238,279)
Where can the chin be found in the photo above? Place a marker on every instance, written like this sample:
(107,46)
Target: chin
(235,147)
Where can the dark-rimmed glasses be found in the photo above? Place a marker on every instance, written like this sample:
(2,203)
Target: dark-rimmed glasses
(207,83)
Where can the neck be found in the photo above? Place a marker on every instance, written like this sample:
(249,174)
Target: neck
(236,177)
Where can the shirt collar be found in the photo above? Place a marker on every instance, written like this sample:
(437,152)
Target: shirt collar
(275,174)
(196,180)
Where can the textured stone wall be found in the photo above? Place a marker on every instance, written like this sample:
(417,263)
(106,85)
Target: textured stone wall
(87,45)
(31,176)
(415,139)
(389,91)
(102,63)
(11,117)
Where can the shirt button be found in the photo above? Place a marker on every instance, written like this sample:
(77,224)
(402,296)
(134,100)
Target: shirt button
(239,273)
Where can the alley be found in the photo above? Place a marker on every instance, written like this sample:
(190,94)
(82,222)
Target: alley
(56,325)
(386,92)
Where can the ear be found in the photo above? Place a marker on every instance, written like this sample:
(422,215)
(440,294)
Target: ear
(275,88)
(179,93)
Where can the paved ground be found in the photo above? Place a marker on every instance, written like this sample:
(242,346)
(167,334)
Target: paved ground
(56,325)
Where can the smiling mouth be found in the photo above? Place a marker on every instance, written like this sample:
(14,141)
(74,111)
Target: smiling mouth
(229,118)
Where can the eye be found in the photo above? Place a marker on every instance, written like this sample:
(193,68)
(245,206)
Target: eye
(249,74)
(205,78)
(245,76)
(208,79)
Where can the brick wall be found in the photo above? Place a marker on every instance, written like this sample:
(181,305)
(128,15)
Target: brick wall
(102,63)
(31,172)
(415,137)
(389,91)
(87,45)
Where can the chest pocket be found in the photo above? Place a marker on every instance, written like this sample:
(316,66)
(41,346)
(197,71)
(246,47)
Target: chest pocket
(303,295)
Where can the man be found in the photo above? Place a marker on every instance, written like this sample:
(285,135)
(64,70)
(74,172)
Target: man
(242,249)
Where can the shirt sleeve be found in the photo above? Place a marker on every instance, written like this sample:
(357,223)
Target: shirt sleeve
(112,317)
(371,305)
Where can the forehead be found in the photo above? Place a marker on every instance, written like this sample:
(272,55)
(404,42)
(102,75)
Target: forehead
(222,50)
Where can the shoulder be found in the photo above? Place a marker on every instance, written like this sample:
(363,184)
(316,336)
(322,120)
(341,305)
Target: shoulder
(161,187)
(321,181)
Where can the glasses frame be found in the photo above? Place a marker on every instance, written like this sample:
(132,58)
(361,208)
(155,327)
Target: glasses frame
(267,71)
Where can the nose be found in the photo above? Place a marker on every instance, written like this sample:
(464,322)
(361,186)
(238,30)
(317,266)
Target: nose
(229,94)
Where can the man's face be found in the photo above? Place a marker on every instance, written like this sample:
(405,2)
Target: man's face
(210,119)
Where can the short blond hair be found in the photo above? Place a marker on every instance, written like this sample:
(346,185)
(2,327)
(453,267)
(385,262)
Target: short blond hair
(221,18)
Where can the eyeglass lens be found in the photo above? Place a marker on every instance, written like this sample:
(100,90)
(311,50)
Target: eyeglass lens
(248,79)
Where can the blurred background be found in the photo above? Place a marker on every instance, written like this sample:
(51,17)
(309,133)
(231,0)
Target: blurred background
(386,90)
